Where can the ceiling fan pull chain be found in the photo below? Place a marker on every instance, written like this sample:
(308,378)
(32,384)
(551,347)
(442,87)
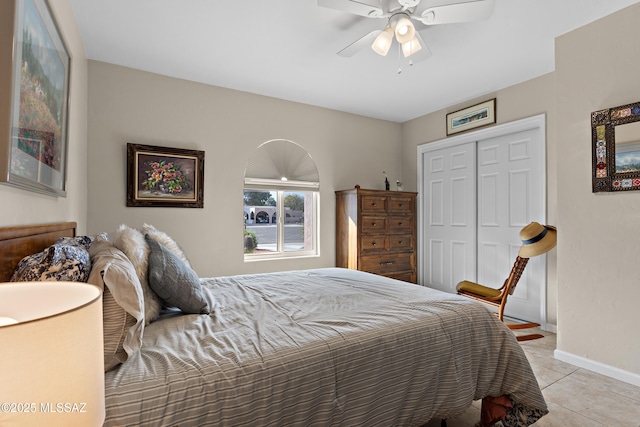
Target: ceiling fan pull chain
(399,59)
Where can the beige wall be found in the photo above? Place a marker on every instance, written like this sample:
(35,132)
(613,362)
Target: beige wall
(127,105)
(593,275)
(598,251)
(528,99)
(597,270)
(25,207)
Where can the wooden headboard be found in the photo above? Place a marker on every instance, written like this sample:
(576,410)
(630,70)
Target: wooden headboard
(20,241)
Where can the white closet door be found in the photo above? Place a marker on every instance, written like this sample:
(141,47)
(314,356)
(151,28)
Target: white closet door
(477,191)
(449,216)
(510,196)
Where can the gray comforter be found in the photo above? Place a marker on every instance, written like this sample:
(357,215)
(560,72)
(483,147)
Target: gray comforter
(325,347)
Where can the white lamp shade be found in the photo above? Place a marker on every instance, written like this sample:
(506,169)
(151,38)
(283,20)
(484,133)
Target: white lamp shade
(52,361)
(405,30)
(411,47)
(382,43)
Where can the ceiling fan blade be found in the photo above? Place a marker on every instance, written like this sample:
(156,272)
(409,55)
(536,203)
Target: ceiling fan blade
(346,21)
(423,53)
(361,8)
(359,44)
(458,12)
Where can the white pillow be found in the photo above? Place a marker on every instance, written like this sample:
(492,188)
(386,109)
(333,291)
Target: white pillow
(122,302)
(132,243)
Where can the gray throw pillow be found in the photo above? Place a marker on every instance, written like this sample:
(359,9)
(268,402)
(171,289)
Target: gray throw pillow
(173,281)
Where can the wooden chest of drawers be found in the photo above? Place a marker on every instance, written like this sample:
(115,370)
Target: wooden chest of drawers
(376,232)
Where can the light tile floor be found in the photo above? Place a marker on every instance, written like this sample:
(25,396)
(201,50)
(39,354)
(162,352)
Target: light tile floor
(575,396)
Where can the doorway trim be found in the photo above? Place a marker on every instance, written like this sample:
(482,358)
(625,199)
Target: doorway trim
(534,122)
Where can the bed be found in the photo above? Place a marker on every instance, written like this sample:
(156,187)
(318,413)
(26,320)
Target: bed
(320,347)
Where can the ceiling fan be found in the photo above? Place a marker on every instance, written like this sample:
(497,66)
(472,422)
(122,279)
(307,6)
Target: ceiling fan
(401,14)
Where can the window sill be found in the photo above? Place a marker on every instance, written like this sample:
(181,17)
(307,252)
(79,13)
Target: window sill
(278,257)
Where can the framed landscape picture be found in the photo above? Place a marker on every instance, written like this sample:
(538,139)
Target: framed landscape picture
(482,114)
(35,66)
(164,176)
(628,157)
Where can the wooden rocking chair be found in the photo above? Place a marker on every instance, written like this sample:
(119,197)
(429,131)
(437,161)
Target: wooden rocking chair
(536,240)
(498,297)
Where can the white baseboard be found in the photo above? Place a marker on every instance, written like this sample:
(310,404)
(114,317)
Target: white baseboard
(550,328)
(600,368)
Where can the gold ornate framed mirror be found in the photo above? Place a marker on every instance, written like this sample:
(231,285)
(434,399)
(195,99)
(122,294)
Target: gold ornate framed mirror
(615,135)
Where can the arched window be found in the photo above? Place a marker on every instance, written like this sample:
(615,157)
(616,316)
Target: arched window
(281,182)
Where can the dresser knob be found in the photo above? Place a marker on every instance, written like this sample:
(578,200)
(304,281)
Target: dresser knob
(373,243)
(373,224)
(400,242)
(374,204)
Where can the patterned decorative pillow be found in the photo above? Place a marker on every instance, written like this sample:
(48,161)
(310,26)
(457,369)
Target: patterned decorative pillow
(66,260)
(82,241)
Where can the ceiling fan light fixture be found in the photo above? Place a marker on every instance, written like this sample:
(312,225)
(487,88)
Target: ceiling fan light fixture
(382,43)
(405,30)
(411,47)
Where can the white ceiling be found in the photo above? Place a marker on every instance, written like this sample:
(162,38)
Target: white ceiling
(287,49)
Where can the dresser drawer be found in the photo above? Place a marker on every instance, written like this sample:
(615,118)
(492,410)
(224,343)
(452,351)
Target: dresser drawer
(401,243)
(399,224)
(374,204)
(405,276)
(399,204)
(374,224)
(373,244)
(386,263)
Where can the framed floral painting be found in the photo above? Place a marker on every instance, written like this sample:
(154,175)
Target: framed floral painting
(164,176)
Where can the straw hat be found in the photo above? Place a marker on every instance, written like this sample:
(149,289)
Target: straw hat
(537,239)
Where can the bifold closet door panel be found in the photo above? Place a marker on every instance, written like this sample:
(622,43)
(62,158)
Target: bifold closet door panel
(449,209)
